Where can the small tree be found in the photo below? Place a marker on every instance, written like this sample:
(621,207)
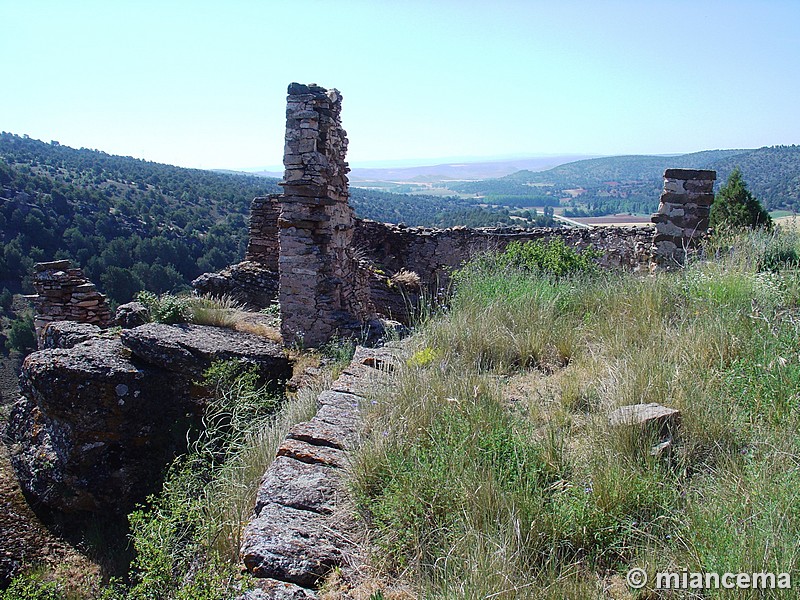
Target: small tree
(735,206)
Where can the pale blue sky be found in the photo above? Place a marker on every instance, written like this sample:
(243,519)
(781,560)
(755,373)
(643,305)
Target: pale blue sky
(202,84)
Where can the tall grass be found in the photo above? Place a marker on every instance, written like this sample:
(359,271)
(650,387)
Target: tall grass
(474,492)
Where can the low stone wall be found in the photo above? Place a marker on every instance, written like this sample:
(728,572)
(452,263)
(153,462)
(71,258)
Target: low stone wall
(431,253)
(64,294)
(300,526)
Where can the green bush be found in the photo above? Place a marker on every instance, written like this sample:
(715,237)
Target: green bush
(22,336)
(553,257)
(165,308)
(735,206)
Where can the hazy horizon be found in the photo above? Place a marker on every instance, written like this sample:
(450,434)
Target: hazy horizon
(203,84)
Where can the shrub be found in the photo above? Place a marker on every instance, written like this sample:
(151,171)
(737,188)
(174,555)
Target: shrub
(735,206)
(22,335)
(165,308)
(553,257)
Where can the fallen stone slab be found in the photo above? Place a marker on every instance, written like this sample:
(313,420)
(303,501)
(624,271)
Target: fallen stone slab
(309,453)
(304,486)
(296,546)
(662,419)
(188,348)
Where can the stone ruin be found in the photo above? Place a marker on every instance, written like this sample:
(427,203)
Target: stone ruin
(64,294)
(683,213)
(333,273)
(324,289)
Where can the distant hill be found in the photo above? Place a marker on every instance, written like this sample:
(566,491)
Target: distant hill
(134,224)
(633,183)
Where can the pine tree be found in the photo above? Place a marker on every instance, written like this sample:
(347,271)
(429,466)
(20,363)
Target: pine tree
(735,206)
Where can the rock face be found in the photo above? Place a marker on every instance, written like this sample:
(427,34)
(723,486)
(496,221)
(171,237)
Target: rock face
(191,349)
(64,294)
(95,427)
(100,420)
(249,282)
(295,536)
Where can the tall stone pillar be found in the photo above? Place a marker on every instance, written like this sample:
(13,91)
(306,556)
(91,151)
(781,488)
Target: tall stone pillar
(322,291)
(683,214)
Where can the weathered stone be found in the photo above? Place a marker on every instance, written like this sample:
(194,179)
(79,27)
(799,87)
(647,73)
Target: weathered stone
(301,485)
(653,416)
(333,432)
(287,544)
(252,282)
(66,334)
(686,174)
(95,429)
(191,349)
(272,589)
(311,454)
(131,315)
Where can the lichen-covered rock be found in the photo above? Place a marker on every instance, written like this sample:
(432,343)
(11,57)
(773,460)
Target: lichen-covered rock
(95,427)
(297,546)
(66,334)
(272,589)
(250,282)
(191,349)
(300,485)
(131,315)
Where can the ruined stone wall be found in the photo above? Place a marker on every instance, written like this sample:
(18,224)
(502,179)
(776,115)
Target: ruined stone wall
(683,214)
(262,245)
(322,291)
(64,294)
(431,253)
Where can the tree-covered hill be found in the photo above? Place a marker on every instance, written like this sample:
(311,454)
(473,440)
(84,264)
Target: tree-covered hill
(134,224)
(131,224)
(633,183)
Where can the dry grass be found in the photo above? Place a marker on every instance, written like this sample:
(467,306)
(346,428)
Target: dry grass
(491,470)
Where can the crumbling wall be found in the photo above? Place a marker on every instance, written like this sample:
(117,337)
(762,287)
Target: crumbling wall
(683,214)
(433,253)
(64,294)
(323,291)
(262,245)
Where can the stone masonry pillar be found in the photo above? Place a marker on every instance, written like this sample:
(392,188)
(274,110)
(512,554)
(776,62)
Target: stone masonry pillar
(683,213)
(262,245)
(64,294)
(322,293)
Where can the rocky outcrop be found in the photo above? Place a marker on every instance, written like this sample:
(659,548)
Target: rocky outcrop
(296,535)
(251,283)
(95,427)
(190,349)
(100,419)
(64,294)
(66,334)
